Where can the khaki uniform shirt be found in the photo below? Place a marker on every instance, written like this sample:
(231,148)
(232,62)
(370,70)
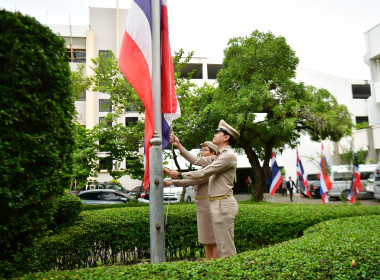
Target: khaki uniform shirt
(221,171)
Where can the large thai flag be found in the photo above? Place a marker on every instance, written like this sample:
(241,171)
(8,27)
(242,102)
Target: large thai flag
(135,61)
(324,178)
(275,175)
(302,176)
(356,182)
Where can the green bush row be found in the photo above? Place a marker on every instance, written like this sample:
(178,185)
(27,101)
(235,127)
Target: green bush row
(122,234)
(108,206)
(67,209)
(346,248)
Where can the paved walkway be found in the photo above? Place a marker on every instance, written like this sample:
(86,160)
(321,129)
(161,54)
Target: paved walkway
(278,198)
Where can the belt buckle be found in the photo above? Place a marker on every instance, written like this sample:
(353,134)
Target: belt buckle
(212,199)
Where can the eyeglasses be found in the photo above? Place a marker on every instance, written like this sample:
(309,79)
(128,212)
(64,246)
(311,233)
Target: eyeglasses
(205,150)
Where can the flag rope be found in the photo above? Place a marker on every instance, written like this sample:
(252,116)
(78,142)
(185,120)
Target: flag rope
(171,129)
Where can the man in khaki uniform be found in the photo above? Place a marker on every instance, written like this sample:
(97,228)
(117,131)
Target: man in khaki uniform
(221,173)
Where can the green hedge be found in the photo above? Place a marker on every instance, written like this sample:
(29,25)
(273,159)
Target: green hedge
(122,234)
(36,139)
(346,248)
(67,210)
(108,206)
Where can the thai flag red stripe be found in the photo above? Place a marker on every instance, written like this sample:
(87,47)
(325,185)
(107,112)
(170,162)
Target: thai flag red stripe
(352,195)
(324,178)
(356,182)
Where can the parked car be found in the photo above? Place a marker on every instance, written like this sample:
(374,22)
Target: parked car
(133,191)
(172,194)
(115,186)
(341,179)
(376,192)
(104,196)
(144,198)
(314,185)
(95,186)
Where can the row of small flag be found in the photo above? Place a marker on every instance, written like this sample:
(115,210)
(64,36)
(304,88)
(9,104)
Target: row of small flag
(325,183)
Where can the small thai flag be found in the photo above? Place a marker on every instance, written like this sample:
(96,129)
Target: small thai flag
(275,175)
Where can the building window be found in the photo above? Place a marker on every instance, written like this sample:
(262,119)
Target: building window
(102,143)
(105,105)
(212,70)
(105,163)
(106,55)
(132,108)
(103,120)
(105,52)
(132,163)
(81,96)
(361,119)
(361,91)
(76,55)
(131,121)
(190,67)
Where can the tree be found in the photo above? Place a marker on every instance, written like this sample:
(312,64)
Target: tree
(257,77)
(347,154)
(85,160)
(36,136)
(105,146)
(192,99)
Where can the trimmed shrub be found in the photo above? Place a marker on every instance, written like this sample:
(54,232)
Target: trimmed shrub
(67,210)
(346,248)
(88,207)
(122,234)
(36,110)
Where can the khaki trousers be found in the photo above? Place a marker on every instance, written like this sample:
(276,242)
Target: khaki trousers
(223,213)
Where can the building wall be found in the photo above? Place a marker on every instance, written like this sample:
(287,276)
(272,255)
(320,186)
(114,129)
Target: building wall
(372,59)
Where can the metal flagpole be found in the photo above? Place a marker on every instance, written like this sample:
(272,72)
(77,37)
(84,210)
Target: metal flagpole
(156,201)
(299,196)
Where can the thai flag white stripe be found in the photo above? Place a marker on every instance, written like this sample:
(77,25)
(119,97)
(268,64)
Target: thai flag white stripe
(142,35)
(325,198)
(323,183)
(275,182)
(169,117)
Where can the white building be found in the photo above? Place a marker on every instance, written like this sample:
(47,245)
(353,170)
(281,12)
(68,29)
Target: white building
(372,58)
(105,31)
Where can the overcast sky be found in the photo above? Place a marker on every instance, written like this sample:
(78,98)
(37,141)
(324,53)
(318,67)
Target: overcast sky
(327,35)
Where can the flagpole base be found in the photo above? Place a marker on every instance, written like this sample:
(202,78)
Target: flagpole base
(156,202)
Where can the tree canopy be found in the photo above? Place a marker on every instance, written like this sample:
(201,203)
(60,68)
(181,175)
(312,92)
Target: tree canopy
(258,78)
